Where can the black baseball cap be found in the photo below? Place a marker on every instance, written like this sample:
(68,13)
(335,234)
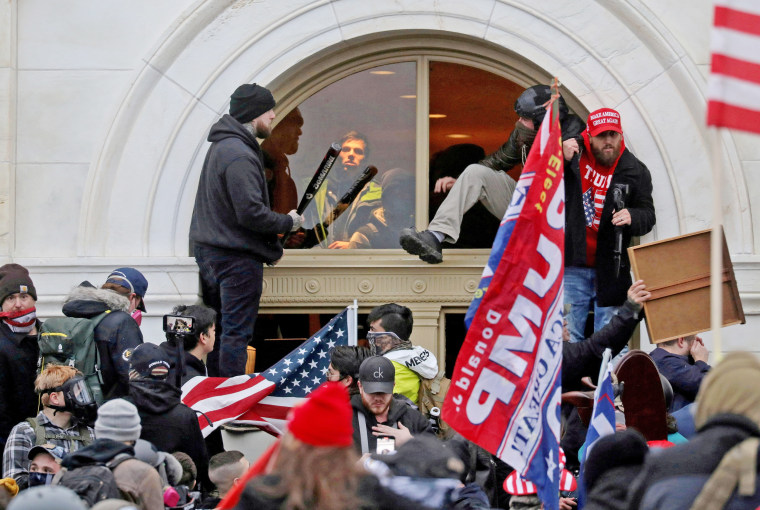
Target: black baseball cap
(377,375)
(148,361)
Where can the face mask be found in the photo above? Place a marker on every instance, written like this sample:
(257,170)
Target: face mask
(21,321)
(137,316)
(36,479)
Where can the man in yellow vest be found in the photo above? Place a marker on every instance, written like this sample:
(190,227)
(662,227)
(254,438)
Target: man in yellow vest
(390,327)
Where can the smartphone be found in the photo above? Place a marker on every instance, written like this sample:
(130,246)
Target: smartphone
(386,445)
(179,324)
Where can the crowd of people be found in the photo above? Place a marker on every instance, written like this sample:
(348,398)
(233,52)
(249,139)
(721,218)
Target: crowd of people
(101,424)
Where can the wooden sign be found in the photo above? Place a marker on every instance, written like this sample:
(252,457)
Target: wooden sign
(677,273)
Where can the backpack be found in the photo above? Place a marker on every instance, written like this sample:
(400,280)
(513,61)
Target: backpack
(71,341)
(95,482)
(42,436)
(432,394)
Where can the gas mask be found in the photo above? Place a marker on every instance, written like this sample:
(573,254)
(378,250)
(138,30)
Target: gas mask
(381,342)
(77,400)
(36,478)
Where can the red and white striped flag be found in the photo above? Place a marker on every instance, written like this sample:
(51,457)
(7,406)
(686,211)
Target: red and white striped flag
(733,91)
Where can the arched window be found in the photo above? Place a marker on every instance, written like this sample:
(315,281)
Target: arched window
(416,120)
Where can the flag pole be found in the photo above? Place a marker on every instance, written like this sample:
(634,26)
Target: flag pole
(353,321)
(716,244)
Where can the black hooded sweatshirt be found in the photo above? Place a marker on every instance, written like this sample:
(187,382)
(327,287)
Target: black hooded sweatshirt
(168,423)
(232,209)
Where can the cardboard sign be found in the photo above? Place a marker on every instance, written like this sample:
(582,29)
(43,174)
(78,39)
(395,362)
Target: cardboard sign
(677,273)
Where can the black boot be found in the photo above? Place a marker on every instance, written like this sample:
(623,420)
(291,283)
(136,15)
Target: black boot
(424,244)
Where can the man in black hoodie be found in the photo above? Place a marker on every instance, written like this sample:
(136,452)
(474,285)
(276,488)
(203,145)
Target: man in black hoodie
(166,422)
(233,228)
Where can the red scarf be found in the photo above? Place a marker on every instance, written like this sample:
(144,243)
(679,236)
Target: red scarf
(595,181)
(21,321)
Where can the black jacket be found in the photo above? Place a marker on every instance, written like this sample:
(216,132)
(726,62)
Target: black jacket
(610,492)
(511,154)
(168,423)
(116,333)
(610,291)
(232,209)
(398,412)
(584,358)
(18,369)
(193,366)
(672,478)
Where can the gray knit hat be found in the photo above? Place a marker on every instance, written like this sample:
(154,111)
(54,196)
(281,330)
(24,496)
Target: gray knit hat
(118,420)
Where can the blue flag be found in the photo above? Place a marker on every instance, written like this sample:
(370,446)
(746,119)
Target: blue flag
(602,419)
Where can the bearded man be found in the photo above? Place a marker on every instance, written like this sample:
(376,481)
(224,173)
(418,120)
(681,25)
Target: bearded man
(591,218)
(377,413)
(233,227)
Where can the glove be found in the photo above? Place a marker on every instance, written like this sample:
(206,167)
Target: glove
(297,220)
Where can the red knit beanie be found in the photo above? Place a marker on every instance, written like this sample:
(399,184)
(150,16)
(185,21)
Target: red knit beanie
(325,418)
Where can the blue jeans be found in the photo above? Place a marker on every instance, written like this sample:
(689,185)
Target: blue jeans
(231,285)
(580,294)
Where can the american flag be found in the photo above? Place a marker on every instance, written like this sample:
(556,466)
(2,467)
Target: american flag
(734,86)
(265,399)
(588,207)
(593,209)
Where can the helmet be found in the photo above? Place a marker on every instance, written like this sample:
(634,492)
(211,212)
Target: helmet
(530,104)
(47,496)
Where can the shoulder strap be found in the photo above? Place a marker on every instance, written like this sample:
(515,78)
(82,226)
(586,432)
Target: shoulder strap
(40,434)
(363,431)
(98,318)
(113,463)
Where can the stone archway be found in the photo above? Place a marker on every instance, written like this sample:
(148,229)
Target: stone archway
(154,148)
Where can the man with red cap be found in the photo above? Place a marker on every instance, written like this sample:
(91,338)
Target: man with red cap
(596,277)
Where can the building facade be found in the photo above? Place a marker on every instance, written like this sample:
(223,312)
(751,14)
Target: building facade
(105,108)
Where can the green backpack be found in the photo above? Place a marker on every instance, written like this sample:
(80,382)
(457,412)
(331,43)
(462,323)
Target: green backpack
(71,341)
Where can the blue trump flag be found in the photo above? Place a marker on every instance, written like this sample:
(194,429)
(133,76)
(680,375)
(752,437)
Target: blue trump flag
(602,419)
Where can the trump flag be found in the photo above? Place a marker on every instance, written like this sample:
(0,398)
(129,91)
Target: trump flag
(265,399)
(505,390)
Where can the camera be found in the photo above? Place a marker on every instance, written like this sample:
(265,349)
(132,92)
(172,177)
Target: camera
(179,325)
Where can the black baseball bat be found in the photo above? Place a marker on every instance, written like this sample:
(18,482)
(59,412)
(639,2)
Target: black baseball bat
(346,200)
(319,177)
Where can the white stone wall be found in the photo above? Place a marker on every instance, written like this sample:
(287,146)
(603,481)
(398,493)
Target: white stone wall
(105,107)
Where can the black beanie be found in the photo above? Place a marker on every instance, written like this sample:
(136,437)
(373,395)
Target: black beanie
(13,279)
(249,101)
(626,448)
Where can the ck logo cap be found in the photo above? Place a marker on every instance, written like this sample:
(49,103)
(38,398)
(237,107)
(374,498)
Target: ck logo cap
(377,375)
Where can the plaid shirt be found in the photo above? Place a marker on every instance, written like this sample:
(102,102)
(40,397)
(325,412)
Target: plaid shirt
(23,437)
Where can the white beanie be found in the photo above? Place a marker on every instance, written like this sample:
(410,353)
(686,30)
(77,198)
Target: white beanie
(118,420)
